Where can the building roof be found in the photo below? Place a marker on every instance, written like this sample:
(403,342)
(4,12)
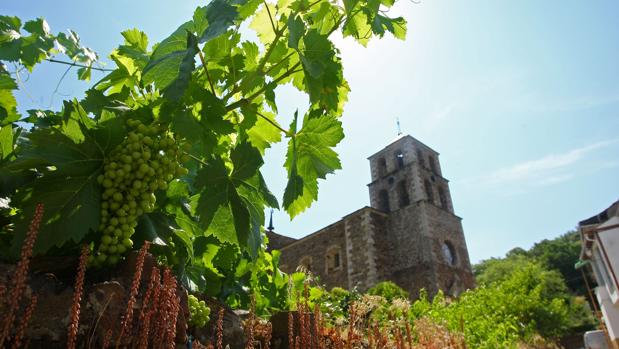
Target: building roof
(399,138)
(590,226)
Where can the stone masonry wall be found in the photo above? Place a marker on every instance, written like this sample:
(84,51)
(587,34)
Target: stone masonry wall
(361,249)
(408,260)
(444,226)
(316,246)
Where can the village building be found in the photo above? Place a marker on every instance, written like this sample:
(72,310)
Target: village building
(600,247)
(409,235)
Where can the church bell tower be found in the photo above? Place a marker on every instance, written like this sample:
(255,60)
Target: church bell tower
(424,245)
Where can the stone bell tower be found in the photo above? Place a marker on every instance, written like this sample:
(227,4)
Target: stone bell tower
(423,245)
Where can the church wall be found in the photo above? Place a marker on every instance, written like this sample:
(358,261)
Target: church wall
(444,226)
(365,230)
(316,246)
(410,258)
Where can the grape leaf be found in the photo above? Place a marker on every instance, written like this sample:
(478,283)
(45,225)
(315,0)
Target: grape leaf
(261,24)
(310,156)
(164,64)
(262,134)
(220,15)
(8,107)
(6,141)
(67,185)
(296,27)
(136,39)
(176,88)
(172,59)
(70,193)
(231,205)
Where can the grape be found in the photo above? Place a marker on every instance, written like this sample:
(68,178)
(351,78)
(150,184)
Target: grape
(147,160)
(199,311)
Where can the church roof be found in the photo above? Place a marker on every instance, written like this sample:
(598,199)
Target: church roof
(402,138)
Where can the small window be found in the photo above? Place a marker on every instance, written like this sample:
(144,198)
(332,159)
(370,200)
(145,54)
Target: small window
(399,158)
(449,254)
(443,198)
(429,192)
(383,200)
(432,164)
(333,259)
(382,167)
(404,200)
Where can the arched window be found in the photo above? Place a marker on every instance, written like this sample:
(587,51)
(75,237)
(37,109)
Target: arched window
(432,164)
(333,259)
(449,253)
(399,158)
(429,192)
(305,263)
(382,167)
(404,200)
(443,198)
(383,200)
(420,158)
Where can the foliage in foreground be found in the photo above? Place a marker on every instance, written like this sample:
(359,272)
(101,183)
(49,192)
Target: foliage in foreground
(524,307)
(168,146)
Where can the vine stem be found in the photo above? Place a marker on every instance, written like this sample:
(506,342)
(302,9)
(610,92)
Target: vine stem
(78,65)
(286,132)
(208,76)
(244,101)
(270,16)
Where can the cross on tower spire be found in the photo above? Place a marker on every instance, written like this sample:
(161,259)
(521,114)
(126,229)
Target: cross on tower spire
(397,121)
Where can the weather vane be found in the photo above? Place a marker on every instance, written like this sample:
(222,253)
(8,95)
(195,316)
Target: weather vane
(397,121)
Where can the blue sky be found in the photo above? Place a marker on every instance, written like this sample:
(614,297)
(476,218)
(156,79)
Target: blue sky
(521,99)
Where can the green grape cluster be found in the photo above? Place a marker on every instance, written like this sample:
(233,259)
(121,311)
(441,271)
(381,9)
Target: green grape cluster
(146,161)
(199,312)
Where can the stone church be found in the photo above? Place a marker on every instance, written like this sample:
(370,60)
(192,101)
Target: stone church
(410,234)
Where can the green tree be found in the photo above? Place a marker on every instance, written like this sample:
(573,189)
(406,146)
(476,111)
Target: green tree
(528,302)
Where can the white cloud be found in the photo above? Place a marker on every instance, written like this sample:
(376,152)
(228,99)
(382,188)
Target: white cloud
(546,170)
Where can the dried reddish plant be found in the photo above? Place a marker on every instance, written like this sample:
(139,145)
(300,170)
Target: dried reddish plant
(106,340)
(220,328)
(290,329)
(251,323)
(301,330)
(24,322)
(21,273)
(318,327)
(77,298)
(409,337)
(149,306)
(351,325)
(398,337)
(339,343)
(2,292)
(135,287)
(267,335)
(170,306)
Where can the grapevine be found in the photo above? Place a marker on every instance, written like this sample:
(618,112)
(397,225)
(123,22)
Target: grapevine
(103,171)
(199,312)
(146,161)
